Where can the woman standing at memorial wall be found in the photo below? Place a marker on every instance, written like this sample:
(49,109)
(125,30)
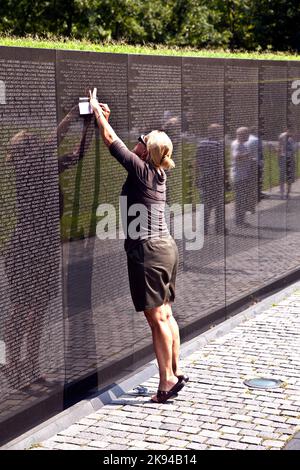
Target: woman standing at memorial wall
(152,254)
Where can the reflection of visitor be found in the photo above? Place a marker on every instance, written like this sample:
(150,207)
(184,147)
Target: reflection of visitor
(256,153)
(31,257)
(244,176)
(153,256)
(170,123)
(70,159)
(210,176)
(32,254)
(287,164)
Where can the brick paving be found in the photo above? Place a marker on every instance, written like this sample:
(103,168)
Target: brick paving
(215,410)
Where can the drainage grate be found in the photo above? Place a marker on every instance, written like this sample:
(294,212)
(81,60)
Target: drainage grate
(262,382)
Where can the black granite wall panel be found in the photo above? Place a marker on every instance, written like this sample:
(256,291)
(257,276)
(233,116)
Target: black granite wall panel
(32,333)
(273,209)
(241,149)
(292,167)
(203,280)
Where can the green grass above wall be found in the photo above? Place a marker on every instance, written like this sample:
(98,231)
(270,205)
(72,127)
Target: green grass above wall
(122,48)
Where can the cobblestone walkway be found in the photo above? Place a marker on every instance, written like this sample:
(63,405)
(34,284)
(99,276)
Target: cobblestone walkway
(215,410)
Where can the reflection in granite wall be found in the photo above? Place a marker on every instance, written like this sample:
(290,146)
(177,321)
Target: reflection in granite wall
(203,183)
(65,309)
(292,172)
(242,135)
(32,333)
(273,241)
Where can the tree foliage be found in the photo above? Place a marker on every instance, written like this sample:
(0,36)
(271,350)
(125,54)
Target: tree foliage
(233,24)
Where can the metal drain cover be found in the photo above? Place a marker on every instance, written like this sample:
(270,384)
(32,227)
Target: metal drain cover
(262,382)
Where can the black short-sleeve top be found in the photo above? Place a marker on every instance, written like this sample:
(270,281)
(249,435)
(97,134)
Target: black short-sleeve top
(143,197)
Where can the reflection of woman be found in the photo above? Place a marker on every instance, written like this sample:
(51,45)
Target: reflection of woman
(152,256)
(32,254)
(286,153)
(244,176)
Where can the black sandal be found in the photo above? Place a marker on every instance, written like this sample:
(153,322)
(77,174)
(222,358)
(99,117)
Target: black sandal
(162,396)
(184,378)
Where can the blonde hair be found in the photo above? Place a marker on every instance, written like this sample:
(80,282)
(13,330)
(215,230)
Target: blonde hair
(160,149)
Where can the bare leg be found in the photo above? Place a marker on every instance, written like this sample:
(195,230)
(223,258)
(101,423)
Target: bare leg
(162,342)
(176,340)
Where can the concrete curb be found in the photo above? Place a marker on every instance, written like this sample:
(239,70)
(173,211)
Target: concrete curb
(83,408)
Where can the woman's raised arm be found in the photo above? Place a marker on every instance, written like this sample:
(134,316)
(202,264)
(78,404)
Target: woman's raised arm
(102,113)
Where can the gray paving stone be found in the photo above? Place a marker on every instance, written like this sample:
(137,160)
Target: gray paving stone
(171,420)
(251,440)
(216,448)
(179,443)
(156,439)
(210,434)
(66,446)
(157,432)
(140,444)
(285,430)
(117,447)
(248,432)
(237,445)
(189,429)
(217,442)
(98,444)
(271,443)
(238,417)
(169,426)
(294,421)
(196,446)
(155,446)
(227,422)
(231,437)
(254,447)
(243,425)
(229,430)
(177,435)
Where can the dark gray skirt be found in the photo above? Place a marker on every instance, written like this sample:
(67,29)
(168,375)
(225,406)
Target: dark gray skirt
(152,268)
